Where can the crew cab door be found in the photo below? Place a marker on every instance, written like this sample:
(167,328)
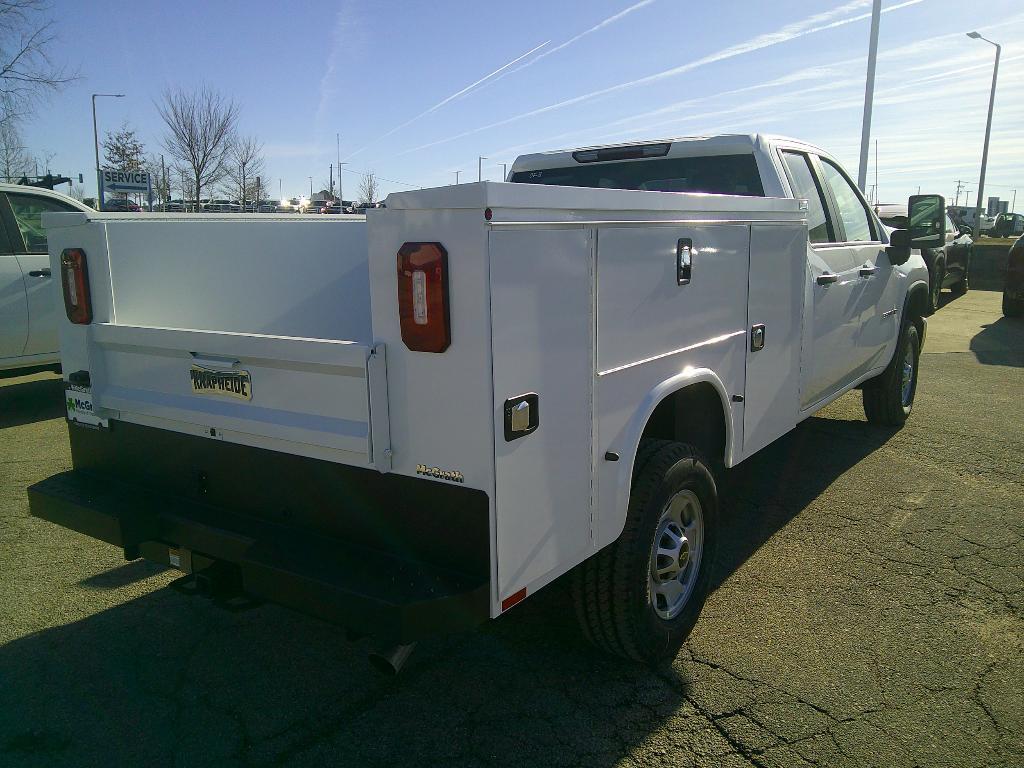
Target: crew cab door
(22,214)
(13,304)
(832,278)
(872,318)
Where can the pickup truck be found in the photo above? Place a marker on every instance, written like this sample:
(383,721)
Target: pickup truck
(28,306)
(410,423)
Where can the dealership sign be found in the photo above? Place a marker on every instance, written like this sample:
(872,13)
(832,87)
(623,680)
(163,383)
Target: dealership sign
(125,182)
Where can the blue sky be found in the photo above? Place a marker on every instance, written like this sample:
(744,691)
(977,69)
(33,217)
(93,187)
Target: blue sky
(418,90)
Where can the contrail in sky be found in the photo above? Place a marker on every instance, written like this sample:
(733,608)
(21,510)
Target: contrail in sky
(816,23)
(454,96)
(600,25)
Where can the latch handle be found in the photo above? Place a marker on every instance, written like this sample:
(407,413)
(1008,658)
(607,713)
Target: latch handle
(684,261)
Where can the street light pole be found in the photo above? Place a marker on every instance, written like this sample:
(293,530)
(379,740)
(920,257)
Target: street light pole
(457,177)
(988,132)
(96,143)
(869,96)
(504,171)
(341,189)
(480,167)
(310,187)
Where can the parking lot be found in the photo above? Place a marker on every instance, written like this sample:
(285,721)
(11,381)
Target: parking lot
(866,611)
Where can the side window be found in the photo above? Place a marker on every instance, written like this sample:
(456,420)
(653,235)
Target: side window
(804,185)
(950,226)
(28,212)
(856,222)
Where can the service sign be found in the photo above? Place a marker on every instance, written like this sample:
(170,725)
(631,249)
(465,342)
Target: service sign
(125,181)
(78,400)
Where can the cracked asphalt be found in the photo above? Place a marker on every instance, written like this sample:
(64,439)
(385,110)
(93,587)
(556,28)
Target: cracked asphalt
(866,611)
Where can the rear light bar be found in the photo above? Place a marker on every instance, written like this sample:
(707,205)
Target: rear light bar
(634,152)
(74,277)
(423,297)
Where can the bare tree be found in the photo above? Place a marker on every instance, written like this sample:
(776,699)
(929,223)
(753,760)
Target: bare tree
(244,166)
(14,160)
(27,73)
(200,128)
(368,188)
(122,149)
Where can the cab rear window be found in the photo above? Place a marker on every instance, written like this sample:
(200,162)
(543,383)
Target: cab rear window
(713,174)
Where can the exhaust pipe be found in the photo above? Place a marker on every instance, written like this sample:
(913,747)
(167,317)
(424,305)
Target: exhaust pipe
(390,660)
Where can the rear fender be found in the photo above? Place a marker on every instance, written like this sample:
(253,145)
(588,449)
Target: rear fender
(629,442)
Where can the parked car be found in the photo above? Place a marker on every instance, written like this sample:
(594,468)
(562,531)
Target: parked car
(1008,225)
(949,266)
(28,302)
(223,205)
(115,204)
(1013,287)
(268,206)
(176,206)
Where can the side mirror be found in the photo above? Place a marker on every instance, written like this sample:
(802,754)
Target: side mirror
(927,221)
(898,249)
(965,230)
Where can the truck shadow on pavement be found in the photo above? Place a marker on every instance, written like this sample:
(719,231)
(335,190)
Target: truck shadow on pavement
(1000,343)
(165,679)
(31,401)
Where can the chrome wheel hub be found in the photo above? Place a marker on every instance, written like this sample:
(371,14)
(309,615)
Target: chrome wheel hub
(908,376)
(676,554)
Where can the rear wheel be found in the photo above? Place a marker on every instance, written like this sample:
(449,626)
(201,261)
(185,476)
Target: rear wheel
(640,596)
(1012,307)
(963,285)
(936,275)
(889,398)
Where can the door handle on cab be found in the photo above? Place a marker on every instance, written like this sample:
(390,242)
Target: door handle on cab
(868,270)
(827,278)
(40,272)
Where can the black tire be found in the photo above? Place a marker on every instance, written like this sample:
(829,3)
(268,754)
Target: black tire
(935,277)
(611,590)
(963,285)
(884,401)
(1012,307)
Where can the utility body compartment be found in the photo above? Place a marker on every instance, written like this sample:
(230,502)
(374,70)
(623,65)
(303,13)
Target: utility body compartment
(569,321)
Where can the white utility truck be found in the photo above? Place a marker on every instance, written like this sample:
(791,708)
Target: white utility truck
(410,423)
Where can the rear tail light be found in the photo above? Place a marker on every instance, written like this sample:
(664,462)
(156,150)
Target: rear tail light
(74,276)
(423,297)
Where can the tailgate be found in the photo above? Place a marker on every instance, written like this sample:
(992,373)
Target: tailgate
(316,397)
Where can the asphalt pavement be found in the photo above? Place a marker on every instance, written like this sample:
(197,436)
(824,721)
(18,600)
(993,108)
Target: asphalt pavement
(866,611)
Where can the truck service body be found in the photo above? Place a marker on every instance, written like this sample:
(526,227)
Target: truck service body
(408,424)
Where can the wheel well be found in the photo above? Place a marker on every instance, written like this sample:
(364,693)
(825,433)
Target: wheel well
(694,415)
(917,305)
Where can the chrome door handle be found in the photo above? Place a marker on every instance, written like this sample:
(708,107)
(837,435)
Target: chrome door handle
(868,270)
(827,278)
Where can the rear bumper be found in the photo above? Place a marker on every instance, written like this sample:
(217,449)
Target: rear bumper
(389,594)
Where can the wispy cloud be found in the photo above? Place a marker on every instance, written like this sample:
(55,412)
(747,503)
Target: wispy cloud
(576,38)
(346,32)
(818,22)
(449,99)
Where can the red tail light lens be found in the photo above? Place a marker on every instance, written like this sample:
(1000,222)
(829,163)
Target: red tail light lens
(74,276)
(423,297)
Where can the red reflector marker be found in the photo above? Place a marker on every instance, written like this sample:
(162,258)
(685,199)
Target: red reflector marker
(74,278)
(423,297)
(512,599)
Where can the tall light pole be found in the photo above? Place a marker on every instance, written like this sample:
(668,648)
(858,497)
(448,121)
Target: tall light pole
(869,96)
(457,177)
(504,171)
(480,167)
(96,143)
(341,190)
(988,133)
(310,187)
(1014,203)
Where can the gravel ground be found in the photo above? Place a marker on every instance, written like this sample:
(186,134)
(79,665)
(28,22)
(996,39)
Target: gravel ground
(866,611)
